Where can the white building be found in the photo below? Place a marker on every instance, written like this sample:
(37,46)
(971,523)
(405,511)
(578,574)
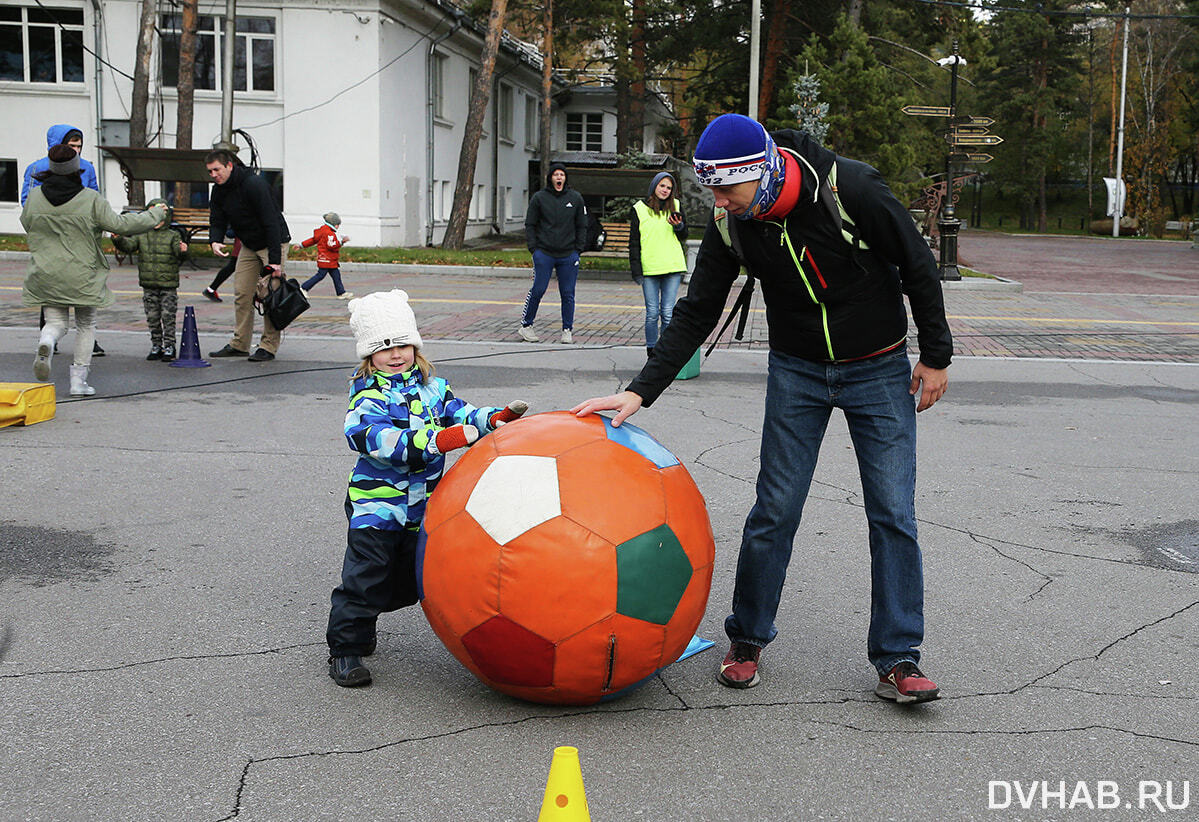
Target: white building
(353,106)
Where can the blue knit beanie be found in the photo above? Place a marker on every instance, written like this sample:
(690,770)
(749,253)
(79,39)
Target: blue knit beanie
(732,149)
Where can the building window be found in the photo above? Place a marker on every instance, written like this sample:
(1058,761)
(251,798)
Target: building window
(584,132)
(505,111)
(41,44)
(532,122)
(438,83)
(8,181)
(254,47)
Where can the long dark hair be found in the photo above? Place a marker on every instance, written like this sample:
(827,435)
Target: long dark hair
(657,205)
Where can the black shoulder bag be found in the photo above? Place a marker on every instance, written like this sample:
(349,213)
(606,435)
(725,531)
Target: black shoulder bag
(280,299)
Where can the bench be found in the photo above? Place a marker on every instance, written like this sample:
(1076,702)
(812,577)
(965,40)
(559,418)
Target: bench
(190,221)
(616,239)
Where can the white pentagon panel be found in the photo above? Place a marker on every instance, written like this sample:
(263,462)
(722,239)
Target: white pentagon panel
(514,494)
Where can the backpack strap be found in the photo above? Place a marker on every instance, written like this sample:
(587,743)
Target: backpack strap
(725,226)
(832,201)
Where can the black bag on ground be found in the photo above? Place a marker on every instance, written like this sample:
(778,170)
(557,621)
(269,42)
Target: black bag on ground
(280,299)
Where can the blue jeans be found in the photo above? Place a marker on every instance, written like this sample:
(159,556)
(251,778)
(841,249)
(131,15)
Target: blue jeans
(660,293)
(567,270)
(334,273)
(881,416)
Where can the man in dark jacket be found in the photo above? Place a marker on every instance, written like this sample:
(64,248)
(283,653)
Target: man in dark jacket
(838,338)
(242,200)
(556,227)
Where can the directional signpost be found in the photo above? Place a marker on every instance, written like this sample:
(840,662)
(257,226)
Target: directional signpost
(928,111)
(966,157)
(962,131)
(958,138)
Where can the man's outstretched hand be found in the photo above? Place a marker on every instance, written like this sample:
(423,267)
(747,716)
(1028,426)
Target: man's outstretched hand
(625,404)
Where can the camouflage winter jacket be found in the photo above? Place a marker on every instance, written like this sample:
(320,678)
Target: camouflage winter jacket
(391,422)
(158,254)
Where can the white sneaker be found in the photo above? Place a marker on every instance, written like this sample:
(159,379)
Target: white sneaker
(567,337)
(41,362)
(345,295)
(527,334)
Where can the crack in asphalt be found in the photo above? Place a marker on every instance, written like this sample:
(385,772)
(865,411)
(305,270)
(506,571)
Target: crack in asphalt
(699,460)
(252,762)
(1085,657)
(1048,580)
(683,706)
(1110,694)
(849,726)
(155,661)
(756,432)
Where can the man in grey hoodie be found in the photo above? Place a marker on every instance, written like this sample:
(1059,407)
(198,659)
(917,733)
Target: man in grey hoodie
(556,227)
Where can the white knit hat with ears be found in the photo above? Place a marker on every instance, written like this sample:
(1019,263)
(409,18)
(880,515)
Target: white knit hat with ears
(383,320)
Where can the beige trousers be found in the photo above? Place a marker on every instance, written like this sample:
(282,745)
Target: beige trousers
(245,278)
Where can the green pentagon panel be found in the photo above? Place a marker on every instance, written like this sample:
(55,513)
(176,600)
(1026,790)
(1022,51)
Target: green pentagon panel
(652,572)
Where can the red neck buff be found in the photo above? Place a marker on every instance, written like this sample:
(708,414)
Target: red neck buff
(789,196)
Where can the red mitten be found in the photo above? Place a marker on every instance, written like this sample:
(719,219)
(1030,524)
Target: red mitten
(513,411)
(456,436)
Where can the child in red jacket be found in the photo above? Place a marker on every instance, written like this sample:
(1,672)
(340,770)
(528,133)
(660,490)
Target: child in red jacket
(328,255)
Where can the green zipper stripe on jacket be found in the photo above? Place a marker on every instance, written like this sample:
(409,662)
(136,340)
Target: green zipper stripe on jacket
(786,239)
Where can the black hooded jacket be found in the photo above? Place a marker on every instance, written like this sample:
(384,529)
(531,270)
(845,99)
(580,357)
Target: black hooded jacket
(556,221)
(825,300)
(245,202)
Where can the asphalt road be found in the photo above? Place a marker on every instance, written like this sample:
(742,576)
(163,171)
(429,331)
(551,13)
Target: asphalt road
(167,550)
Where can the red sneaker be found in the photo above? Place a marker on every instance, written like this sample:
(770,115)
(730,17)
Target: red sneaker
(904,683)
(740,666)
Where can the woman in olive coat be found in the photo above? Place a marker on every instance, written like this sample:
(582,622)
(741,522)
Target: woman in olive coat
(64,222)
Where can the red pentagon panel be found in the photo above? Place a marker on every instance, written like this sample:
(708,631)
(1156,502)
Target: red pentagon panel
(546,435)
(687,516)
(508,654)
(454,489)
(557,578)
(612,490)
(461,576)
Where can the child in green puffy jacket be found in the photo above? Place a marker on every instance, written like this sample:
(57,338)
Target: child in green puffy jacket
(159,253)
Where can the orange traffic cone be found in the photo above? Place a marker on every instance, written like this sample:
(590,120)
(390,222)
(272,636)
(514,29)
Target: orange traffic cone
(565,800)
(189,349)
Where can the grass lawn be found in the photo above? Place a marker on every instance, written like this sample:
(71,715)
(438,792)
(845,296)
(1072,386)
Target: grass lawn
(503,257)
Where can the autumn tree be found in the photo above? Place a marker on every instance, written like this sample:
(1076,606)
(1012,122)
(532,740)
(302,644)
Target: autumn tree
(480,95)
(140,99)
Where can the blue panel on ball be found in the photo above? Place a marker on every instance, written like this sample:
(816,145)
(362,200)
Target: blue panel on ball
(632,437)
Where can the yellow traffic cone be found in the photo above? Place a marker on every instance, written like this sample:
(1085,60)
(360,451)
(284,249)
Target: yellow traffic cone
(565,800)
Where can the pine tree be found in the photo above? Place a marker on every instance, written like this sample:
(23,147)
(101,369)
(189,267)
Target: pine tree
(809,112)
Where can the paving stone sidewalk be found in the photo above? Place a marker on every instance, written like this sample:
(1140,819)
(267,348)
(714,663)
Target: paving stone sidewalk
(999,320)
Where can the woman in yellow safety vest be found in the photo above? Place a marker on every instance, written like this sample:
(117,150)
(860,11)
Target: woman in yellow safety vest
(657,257)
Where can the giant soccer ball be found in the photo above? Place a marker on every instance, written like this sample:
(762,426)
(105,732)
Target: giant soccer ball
(563,560)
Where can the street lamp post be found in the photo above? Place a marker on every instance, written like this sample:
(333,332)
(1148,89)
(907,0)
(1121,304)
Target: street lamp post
(947,222)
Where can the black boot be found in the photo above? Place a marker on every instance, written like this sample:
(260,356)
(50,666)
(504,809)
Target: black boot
(348,671)
(649,352)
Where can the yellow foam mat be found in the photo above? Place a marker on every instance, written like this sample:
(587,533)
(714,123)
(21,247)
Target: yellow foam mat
(24,403)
